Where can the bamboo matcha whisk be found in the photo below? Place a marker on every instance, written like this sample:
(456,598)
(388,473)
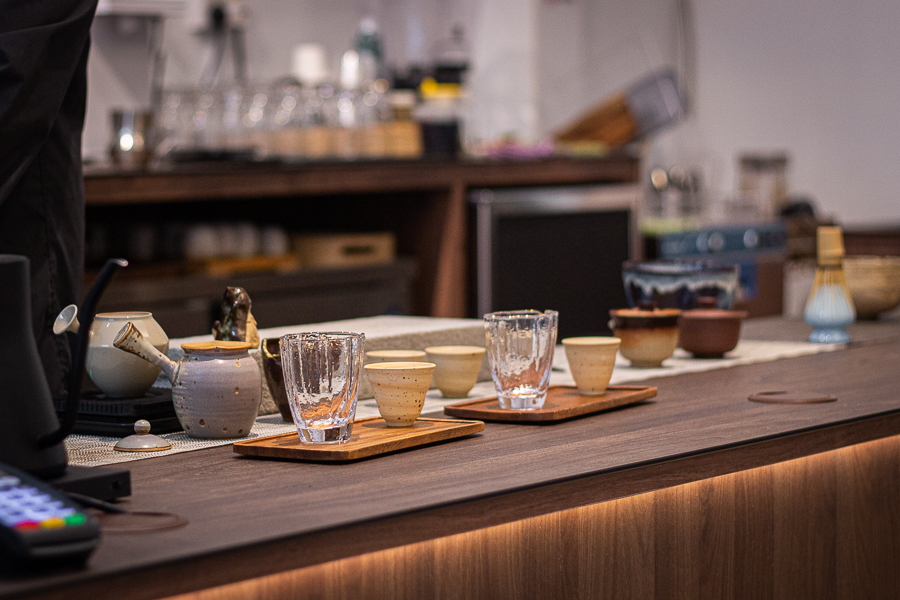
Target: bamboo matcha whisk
(829,309)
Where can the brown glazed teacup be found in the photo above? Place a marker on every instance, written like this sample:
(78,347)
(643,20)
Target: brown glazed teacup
(649,335)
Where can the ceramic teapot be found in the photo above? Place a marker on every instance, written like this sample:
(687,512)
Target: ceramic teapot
(216,386)
(117,374)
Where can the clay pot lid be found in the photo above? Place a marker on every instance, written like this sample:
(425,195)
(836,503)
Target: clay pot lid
(222,346)
(708,310)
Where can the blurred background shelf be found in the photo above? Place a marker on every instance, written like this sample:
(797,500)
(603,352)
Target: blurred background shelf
(186,304)
(423,203)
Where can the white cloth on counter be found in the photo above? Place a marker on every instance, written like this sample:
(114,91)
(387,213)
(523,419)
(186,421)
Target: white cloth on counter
(94,451)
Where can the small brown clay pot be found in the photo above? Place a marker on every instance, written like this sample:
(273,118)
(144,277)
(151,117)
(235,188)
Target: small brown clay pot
(271,357)
(710,332)
(649,335)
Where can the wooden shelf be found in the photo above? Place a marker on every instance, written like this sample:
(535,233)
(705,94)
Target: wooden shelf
(424,201)
(219,181)
(185,304)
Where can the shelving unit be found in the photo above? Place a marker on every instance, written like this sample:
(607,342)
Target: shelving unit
(422,202)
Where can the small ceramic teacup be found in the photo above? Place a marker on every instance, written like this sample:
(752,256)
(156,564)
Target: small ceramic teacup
(400,389)
(457,368)
(380,356)
(591,361)
(649,335)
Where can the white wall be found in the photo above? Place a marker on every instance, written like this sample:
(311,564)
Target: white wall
(817,79)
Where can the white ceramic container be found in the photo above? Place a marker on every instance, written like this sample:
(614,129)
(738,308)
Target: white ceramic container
(456,370)
(117,373)
(400,389)
(216,386)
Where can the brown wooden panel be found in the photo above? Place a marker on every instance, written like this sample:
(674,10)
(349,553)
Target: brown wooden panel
(754,534)
(868,517)
(717,534)
(805,529)
(677,514)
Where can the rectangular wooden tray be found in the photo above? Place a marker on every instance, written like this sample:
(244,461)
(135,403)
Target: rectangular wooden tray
(370,437)
(563,402)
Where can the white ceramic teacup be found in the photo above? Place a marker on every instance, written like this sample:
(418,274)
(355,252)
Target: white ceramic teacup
(457,368)
(591,361)
(400,389)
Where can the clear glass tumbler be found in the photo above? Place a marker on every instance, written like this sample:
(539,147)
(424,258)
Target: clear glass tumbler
(520,349)
(321,378)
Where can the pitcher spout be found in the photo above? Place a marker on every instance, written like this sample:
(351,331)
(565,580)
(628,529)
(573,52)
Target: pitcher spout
(130,340)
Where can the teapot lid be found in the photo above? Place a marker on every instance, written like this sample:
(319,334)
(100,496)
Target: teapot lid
(142,440)
(218,346)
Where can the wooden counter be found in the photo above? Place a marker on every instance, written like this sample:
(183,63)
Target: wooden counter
(698,493)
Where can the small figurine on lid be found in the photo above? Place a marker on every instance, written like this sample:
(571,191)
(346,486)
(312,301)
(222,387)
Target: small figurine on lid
(236,324)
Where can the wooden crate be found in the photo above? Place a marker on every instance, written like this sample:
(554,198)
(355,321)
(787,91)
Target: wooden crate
(346,249)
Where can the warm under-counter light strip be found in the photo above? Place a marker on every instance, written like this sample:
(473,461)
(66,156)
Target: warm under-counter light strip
(822,526)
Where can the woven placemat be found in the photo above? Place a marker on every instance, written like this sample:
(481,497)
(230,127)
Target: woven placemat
(95,451)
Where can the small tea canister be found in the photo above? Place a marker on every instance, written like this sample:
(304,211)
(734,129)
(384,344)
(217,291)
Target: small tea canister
(216,386)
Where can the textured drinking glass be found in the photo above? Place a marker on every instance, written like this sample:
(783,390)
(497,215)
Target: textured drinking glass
(321,378)
(520,349)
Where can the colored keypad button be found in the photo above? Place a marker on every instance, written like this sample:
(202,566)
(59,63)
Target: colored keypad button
(27,525)
(75,519)
(53,523)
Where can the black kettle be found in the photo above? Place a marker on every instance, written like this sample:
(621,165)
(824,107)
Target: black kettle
(31,436)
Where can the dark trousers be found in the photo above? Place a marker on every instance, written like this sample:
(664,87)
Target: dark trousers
(43,63)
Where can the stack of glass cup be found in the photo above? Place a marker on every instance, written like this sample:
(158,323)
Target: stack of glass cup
(286,120)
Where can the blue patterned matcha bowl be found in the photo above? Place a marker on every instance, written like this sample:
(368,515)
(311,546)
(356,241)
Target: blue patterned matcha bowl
(679,283)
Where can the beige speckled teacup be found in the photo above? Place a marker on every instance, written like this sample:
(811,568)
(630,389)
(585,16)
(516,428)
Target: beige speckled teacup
(380,356)
(591,361)
(400,389)
(457,368)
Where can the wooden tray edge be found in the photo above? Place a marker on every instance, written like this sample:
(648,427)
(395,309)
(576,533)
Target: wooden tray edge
(460,428)
(463,410)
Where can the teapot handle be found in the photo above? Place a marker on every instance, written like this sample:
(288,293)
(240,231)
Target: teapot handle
(80,352)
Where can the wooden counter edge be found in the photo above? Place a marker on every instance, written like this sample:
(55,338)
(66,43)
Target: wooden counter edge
(266,558)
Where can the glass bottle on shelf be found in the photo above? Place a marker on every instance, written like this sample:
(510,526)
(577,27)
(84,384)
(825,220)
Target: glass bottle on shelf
(287,120)
(348,107)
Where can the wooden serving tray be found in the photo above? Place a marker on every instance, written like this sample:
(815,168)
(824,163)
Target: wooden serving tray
(370,437)
(563,402)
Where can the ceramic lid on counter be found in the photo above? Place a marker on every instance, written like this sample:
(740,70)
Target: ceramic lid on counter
(142,440)
(708,310)
(645,313)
